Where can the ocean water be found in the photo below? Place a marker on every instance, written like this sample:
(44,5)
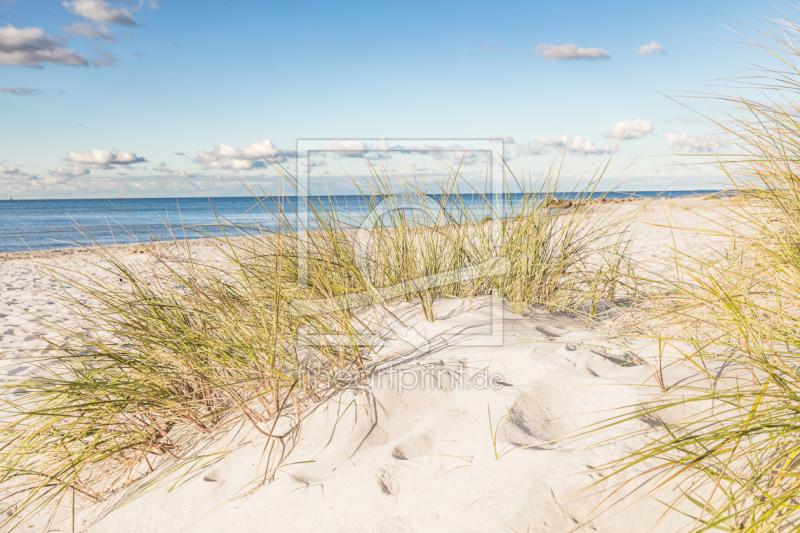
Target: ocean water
(44,224)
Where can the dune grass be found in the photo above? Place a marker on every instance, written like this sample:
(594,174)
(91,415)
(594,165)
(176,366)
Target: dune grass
(179,343)
(164,352)
(735,317)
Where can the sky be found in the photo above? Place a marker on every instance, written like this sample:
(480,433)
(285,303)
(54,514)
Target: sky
(166,98)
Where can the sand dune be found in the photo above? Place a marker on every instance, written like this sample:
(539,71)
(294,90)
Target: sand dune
(447,435)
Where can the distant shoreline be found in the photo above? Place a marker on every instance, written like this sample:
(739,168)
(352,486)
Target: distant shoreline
(29,228)
(680,193)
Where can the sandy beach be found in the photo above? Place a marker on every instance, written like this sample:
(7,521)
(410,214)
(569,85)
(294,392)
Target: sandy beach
(444,437)
(399,267)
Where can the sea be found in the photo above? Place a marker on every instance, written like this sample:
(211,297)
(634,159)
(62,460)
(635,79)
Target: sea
(65,223)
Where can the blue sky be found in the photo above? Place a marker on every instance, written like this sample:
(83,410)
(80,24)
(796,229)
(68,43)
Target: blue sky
(172,98)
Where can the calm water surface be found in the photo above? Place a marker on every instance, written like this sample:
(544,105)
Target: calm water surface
(43,224)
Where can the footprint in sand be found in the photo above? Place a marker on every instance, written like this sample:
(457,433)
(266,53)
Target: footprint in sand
(546,413)
(387,481)
(416,446)
(548,332)
(539,413)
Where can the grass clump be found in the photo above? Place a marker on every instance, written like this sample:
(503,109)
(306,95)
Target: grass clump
(165,352)
(513,244)
(260,322)
(735,317)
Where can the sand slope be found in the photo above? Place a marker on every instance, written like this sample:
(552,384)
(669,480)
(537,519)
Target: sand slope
(404,458)
(389,457)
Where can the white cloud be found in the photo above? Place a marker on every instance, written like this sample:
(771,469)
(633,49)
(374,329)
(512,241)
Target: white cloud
(499,138)
(20,91)
(554,52)
(685,143)
(97,158)
(72,171)
(454,153)
(530,149)
(90,31)
(100,11)
(62,175)
(345,148)
(224,156)
(55,179)
(163,167)
(630,129)
(578,145)
(14,174)
(650,49)
(30,47)
(461,157)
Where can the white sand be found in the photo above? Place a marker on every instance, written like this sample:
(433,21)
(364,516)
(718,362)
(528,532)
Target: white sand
(386,458)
